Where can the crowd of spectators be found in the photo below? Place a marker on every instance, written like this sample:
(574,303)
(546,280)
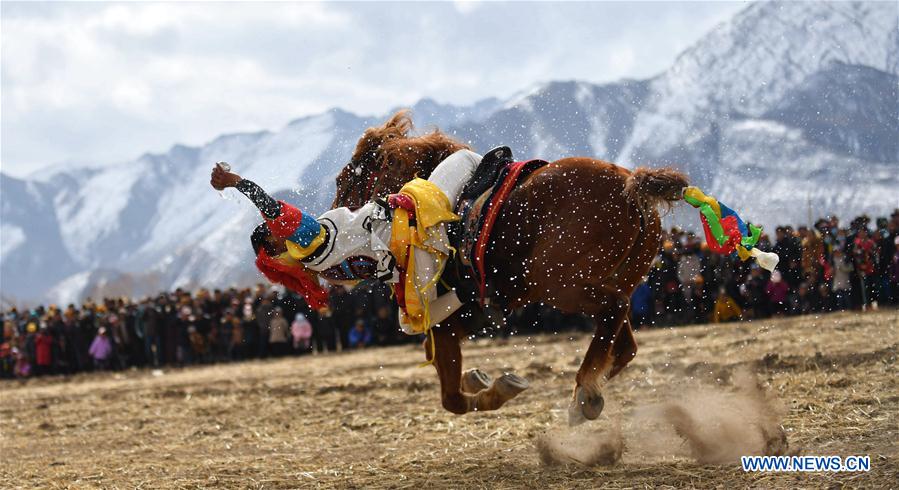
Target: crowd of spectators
(822,268)
(180,328)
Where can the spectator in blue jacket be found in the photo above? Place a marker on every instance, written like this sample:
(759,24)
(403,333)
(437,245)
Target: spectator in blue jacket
(360,335)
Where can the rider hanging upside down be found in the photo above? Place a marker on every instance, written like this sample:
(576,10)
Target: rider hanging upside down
(401,241)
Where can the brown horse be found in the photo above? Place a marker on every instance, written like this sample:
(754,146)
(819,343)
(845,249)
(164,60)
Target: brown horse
(577,234)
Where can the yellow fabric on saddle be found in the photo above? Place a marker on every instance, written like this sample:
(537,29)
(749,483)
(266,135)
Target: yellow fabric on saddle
(432,209)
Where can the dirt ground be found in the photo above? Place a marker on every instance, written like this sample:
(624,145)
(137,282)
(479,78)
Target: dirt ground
(373,418)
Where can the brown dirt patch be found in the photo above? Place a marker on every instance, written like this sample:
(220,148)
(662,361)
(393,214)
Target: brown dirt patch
(373,419)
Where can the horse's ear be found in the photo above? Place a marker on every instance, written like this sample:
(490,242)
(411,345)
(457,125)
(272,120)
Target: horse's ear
(400,124)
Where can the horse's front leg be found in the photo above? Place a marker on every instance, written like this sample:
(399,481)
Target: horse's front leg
(475,392)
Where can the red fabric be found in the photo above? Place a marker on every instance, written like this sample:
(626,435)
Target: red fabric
(865,249)
(731,230)
(402,201)
(293,277)
(284,225)
(399,290)
(825,265)
(43,347)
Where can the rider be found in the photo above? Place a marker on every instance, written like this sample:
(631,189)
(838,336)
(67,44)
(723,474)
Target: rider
(346,244)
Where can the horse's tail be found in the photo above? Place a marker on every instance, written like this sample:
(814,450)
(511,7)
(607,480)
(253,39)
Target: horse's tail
(653,187)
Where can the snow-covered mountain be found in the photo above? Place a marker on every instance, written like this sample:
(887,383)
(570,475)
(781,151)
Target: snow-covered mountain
(785,109)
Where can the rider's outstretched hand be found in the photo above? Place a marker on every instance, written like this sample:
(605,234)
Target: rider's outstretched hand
(221,178)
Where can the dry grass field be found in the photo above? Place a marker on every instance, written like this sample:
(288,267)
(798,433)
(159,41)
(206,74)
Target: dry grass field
(373,419)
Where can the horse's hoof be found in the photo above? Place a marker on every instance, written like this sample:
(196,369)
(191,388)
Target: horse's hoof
(575,415)
(510,385)
(475,380)
(589,406)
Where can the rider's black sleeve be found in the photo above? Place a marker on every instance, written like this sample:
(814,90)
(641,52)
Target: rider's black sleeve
(270,208)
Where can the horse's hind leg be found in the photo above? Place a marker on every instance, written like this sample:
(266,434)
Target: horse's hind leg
(610,350)
(475,380)
(448,362)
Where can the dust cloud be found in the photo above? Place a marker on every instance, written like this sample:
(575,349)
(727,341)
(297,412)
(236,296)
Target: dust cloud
(711,425)
(580,446)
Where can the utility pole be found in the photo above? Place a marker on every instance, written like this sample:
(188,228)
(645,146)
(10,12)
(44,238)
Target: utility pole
(808,201)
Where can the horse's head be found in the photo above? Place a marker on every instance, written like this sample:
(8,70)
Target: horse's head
(386,157)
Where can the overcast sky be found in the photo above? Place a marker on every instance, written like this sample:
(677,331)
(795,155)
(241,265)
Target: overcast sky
(104,82)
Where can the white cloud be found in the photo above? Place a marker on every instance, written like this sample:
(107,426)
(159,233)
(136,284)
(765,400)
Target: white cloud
(466,7)
(622,60)
(104,82)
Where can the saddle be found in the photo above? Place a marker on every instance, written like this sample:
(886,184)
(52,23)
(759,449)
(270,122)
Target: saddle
(485,176)
(479,207)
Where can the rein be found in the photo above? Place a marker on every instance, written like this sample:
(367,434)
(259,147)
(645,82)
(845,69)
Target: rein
(369,188)
(373,180)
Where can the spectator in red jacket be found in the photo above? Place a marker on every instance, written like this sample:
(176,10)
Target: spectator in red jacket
(777,291)
(43,351)
(865,252)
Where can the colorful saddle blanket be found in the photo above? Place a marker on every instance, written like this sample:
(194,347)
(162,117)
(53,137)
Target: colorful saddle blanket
(473,235)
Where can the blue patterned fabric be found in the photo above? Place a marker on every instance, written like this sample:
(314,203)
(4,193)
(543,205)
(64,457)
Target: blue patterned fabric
(306,231)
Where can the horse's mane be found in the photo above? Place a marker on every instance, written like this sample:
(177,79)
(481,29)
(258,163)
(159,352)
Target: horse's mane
(396,147)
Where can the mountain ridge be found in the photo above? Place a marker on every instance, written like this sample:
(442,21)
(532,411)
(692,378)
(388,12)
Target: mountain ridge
(739,111)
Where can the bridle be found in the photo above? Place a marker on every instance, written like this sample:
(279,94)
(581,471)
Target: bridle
(348,187)
(357,170)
